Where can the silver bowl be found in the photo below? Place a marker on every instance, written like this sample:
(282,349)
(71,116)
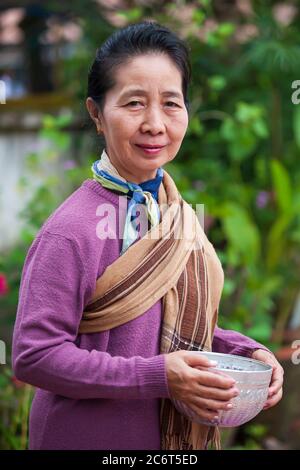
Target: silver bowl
(252,379)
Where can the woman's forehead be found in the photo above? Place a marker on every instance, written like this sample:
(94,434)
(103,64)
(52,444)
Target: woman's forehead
(135,78)
(147,65)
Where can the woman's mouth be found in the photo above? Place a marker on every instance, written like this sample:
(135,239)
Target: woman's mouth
(150,151)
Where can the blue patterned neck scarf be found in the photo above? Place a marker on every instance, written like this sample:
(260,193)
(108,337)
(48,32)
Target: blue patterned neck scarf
(145,193)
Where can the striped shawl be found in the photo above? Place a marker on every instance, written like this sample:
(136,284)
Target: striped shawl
(174,261)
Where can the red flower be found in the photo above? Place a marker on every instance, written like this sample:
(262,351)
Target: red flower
(3,285)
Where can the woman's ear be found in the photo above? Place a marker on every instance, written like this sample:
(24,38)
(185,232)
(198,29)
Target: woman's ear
(93,111)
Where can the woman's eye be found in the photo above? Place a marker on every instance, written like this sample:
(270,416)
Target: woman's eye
(175,104)
(133,102)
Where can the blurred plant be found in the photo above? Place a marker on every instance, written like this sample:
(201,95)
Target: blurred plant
(15,401)
(251,437)
(57,178)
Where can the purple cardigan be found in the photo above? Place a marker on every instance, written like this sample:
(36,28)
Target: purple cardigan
(95,391)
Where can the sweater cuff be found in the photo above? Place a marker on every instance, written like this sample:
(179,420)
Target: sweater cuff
(248,351)
(152,377)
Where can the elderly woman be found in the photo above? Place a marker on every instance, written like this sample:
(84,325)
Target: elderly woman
(109,317)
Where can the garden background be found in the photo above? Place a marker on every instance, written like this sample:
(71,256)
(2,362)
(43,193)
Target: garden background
(240,158)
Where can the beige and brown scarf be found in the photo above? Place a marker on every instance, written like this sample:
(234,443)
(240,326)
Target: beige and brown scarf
(173,260)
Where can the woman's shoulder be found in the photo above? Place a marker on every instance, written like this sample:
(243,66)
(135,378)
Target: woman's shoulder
(68,241)
(75,222)
(65,219)
(77,216)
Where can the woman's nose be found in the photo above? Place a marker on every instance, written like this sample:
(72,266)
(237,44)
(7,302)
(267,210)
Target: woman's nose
(153,120)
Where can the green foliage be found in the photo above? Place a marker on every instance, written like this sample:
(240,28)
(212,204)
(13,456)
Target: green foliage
(56,181)
(15,401)
(243,130)
(56,178)
(253,434)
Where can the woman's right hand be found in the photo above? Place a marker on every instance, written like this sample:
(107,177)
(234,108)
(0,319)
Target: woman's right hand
(205,392)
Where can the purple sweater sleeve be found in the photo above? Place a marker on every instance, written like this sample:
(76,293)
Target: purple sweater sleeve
(44,353)
(233,342)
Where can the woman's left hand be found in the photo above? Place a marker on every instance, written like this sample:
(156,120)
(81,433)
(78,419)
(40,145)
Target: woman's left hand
(275,388)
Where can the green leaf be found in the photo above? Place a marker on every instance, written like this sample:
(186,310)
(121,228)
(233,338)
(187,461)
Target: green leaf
(260,128)
(228,129)
(199,16)
(243,145)
(229,287)
(48,121)
(217,82)
(261,332)
(133,14)
(242,233)
(196,126)
(63,120)
(282,186)
(226,29)
(276,240)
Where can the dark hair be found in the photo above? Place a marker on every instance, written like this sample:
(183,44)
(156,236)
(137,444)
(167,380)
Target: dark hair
(131,41)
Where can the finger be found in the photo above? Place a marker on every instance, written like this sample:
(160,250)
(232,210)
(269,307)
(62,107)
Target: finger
(213,404)
(272,361)
(194,360)
(204,413)
(273,401)
(212,379)
(218,393)
(276,383)
(274,389)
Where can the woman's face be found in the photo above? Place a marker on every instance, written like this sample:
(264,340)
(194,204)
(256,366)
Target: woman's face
(150,116)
